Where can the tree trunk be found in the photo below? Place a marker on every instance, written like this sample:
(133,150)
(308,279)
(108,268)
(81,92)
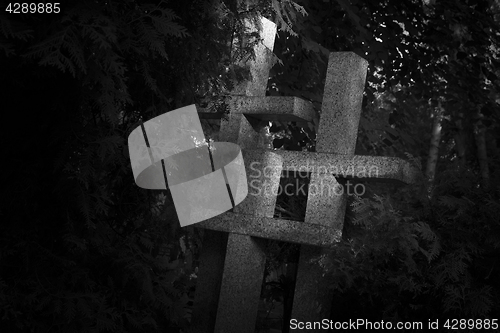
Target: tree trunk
(434,147)
(460,145)
(482,156)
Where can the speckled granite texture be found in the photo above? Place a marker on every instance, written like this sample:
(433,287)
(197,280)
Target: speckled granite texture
(282,108)
(337,134)
(272,228)
(231,292)
(241,251)
(342,100)
(380,168)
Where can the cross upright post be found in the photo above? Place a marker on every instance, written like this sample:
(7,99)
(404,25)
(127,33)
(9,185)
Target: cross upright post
(228,288)
(337,134)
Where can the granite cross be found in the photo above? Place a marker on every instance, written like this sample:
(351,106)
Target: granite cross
(232,260)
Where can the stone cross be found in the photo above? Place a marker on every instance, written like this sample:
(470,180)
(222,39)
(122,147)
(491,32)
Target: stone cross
(232,265)
(337,134)
(232,260)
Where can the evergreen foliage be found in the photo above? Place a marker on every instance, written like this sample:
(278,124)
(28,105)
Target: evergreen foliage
(83,248)
(405,257)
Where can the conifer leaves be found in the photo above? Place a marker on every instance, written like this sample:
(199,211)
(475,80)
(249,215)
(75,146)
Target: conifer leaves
(95,27)
(451,246)
(387,253)
(12,29)
(432,248)
(163,19)
(286,14)
(148,78)
(62,49)
(389,227)
(155,25)
(153,40)
(474,302)
(96,42)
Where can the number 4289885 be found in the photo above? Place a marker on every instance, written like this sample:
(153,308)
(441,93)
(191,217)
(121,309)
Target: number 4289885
(478,324)
(33,7)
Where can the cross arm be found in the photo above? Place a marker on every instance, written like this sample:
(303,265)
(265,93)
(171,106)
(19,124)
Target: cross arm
(273,108)
(379,168)
(271,228)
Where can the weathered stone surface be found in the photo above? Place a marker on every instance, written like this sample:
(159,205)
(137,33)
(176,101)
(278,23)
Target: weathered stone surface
(238,258)
(261,64)
(342,101)
(263,169)
(337,133)
(243,257)
(244,110)
(380,168)
(241,282)
(271,108)
(279,108)
(273,228)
